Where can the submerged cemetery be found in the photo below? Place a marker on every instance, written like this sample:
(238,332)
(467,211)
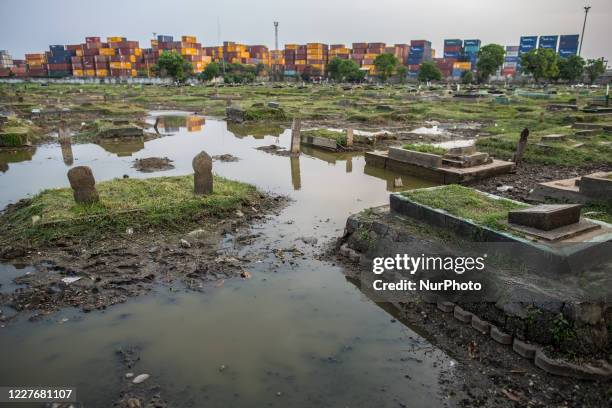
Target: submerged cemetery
(171,244)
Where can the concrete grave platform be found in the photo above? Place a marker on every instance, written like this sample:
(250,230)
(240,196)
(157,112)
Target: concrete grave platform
(558,249)
(553,138)
(591,187)
(322,142)
(442,173)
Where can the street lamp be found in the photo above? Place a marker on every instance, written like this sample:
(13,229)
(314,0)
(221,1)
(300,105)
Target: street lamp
(586,13)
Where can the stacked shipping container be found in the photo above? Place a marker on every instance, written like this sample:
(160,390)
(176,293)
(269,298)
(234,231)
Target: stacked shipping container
(568,45)
(420,50)
(510,61)
(548,42)
(6,63)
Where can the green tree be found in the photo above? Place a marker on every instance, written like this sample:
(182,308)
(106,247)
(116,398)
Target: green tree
(594,69)
(467,77)
(211,71)
(571,68)
(401,72)
(385,65)
(490,59)
(174,65)
(428,71)
(542,63)
(344,70)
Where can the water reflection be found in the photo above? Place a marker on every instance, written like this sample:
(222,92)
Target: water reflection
(396,182)
(296,178)
(174,123)
(15,156)
(123,148)
(255,130)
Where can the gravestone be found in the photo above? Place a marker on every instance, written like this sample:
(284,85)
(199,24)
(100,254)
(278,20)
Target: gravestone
(295,135)
(349,136)
(597,186)
(520,148)
(546,216)
(202,178)
(83,185)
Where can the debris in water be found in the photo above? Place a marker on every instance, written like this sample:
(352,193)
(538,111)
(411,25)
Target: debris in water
(140,378)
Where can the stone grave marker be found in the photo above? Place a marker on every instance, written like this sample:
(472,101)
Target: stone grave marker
(83,185)
(202,178)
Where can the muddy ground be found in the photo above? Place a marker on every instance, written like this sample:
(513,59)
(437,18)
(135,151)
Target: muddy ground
(152,164)
(96,275)
(528,175)
(487,374)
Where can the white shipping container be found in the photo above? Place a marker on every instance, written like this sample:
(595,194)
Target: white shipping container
(510,64)
(512,53)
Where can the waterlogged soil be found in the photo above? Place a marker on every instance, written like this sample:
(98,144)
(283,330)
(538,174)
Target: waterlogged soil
(251,313)
(110,270)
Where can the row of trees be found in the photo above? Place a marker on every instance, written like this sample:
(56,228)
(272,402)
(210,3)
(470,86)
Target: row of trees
(542,64)
(547,65)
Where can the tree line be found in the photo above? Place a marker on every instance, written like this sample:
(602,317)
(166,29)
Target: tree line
(542,64)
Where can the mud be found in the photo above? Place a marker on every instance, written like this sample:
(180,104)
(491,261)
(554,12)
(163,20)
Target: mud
(227,158)
(94,276)
(152,164)
(528,175)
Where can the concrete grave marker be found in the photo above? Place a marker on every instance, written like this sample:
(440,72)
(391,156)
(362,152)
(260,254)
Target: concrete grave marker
(546,216)
(295,135)
(349,136)
(202,178)
(83,185)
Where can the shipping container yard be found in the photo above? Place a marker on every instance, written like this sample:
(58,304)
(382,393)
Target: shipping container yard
(394,205)
(117,57)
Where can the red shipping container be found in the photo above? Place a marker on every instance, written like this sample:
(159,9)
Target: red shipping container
(90,40)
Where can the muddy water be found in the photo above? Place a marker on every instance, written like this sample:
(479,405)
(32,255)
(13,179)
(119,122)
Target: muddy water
(294,335)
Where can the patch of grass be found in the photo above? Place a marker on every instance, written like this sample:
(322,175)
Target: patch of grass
(265,114)
(339,137)
(424,148)
(467,203)
(164,202)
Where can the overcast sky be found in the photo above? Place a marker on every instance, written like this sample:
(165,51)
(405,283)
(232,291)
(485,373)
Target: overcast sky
(31,25)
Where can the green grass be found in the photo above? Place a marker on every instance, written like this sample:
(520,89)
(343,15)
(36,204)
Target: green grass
(164,202)
(339,137)
(467,203)
(424,148)
(14,136)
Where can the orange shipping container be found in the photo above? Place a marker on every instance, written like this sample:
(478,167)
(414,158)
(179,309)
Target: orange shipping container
(106,51)
(101,73)
(90,72)
(189,38)
(77,72)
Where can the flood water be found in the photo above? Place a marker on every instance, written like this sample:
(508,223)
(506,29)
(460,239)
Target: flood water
(294,335)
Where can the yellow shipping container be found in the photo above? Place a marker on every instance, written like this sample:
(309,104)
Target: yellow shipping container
(314,45)
(114,39)
(101,73)
(154,43)
(189,51)
(90,72)
(462,65)
(132,58)
(120,65)
(79,53)
(291,46)
(106,51)
(138,51)
(189,38)
(300,62)
(134,73)
(77,72)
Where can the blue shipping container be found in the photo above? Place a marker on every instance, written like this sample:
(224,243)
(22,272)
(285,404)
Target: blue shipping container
(511,59)
(568,52)
(454,41)
(549,42)
(471,43)
(452,54)
(165,38)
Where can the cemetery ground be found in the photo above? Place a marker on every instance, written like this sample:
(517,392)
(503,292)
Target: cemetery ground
(140,231)
(149,231)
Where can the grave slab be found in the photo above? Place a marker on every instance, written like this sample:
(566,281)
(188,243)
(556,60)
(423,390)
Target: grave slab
(546,216)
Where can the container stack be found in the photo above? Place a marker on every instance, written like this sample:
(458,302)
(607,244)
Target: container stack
(510,61)
(400,51)
(359,52)
(58,61)
(277,58)
(37,64)
(317,55)
(339,51)
(258,54)
(549,42)
(460,67)
(470,51)
(6,63)
(445,66)
(420,50)
(20,68)
(290,55)
(453,49)
(234,53)
(568,45)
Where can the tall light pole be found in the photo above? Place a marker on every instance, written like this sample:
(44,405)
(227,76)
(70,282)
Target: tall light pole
(586,13)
